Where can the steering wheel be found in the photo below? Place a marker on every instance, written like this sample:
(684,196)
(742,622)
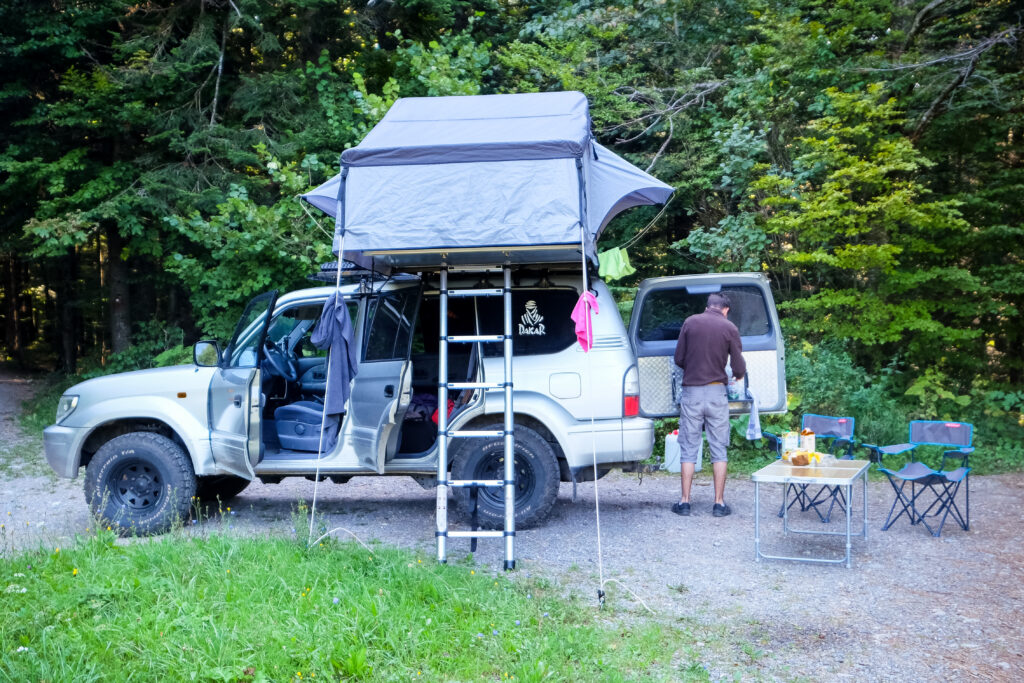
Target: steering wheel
(281,361)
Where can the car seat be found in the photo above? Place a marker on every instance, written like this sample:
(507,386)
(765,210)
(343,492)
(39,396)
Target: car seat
(298,426)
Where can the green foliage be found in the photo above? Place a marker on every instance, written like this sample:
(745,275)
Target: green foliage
(246,248)
(270,609)
(39,411)
(998,418)
(865,155)
(735,244)
(454,65)
(175,355)
(825,379)
(864,236)
(934,399)
(153,340)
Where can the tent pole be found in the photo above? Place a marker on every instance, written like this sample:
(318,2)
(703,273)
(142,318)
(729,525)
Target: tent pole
(339,235)
(593,437)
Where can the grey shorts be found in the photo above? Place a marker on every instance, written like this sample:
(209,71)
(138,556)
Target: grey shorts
(704,408)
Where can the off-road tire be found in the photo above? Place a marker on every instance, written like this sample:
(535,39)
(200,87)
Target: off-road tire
(140,483)
(537,477)
(219,488)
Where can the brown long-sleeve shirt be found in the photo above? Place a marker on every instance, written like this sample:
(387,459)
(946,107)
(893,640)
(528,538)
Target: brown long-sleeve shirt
(706,340)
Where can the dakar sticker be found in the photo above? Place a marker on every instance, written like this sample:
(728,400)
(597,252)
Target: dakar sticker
(531,322)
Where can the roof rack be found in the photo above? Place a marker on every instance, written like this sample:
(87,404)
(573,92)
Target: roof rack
(349,272)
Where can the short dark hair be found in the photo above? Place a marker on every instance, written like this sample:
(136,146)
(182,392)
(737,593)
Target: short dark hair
(719,300)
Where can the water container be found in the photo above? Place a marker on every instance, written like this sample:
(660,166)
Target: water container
(733,389)
(672,453)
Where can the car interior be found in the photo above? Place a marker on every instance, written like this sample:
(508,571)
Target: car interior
(294,371)
(293,381)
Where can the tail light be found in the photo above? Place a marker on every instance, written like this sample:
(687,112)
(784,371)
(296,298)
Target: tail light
(631,393)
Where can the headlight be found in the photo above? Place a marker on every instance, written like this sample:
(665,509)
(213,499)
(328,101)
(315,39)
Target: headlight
(66,406)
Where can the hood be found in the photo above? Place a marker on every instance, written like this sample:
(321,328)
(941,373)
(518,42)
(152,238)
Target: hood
(153,382)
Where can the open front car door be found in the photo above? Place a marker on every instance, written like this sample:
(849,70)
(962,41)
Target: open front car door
(661,306)
(235,396)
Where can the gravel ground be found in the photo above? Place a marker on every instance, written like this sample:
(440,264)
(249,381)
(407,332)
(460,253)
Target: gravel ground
(912,607)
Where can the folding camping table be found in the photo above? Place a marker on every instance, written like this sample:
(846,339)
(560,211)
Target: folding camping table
(838,473)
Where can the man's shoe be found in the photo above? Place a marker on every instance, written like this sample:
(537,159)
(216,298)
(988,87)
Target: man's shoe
(681,509)
(721,510)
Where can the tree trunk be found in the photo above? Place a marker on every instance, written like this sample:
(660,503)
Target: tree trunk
(146,303)
(120,300)
(11,288)
(67,309)
(23,323)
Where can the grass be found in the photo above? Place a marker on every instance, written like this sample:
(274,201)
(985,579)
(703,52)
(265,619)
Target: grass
(23,458)
(234,609)
(39,411)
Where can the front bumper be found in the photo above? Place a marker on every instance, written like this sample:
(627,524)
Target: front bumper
(63,449)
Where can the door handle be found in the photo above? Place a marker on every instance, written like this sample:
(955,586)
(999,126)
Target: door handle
(237,400)
(389,391)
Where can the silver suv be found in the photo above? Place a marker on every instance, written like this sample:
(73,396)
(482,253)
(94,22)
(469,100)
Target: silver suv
(151,440)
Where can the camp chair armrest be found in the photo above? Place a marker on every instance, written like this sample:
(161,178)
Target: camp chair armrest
(775,440)
(959,455)
(956,475)
(874,452)
(880,452)
(844,446)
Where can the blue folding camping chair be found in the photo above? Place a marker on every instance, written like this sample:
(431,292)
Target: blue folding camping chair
(943,484)
(837,435)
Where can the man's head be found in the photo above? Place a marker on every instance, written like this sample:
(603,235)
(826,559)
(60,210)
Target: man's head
(719,302)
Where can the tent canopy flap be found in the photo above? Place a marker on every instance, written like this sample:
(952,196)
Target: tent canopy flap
(482,172)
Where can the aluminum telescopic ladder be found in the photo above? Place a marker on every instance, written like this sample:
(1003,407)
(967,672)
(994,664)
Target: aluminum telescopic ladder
(445,435)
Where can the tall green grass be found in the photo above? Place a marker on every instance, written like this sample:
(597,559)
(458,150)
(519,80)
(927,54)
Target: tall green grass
(253,609)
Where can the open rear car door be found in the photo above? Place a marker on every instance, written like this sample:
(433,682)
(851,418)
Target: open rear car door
(661,306)
(382,390)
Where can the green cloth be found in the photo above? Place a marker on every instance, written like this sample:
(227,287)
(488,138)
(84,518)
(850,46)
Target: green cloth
(614,264)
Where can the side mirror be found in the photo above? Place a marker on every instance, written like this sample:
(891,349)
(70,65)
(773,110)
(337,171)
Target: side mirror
(206,354)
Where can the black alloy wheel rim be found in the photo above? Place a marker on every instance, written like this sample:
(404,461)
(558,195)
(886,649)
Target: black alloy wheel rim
(493,467)
(136,484)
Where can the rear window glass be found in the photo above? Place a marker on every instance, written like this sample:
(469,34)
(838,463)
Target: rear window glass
(540,320)
(664,312)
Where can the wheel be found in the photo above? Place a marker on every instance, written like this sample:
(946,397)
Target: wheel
(537,477)
(140,483)
(222,488)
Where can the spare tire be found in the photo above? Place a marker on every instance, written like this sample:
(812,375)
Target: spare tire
(537,477)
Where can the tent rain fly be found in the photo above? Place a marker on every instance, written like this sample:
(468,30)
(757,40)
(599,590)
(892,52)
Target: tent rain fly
(480,179)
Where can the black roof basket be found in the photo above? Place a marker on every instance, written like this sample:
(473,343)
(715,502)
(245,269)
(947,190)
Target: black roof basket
(349,272)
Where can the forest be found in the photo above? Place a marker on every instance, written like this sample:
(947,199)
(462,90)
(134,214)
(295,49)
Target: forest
(867,155)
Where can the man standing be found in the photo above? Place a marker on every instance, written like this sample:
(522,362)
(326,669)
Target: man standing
(705,342)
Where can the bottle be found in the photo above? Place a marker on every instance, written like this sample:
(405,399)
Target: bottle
(732,389)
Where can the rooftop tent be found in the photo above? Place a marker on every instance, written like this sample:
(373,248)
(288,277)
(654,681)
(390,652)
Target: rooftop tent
(452,178)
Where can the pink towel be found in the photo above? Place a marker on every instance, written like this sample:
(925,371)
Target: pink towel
(581,316)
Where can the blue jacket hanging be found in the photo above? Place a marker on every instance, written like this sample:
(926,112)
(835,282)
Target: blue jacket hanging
(334,332)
